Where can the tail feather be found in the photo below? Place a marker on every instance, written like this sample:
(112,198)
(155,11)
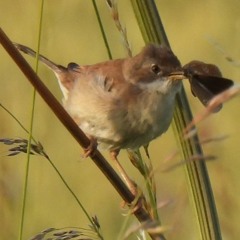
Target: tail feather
(65,77)
(54,67)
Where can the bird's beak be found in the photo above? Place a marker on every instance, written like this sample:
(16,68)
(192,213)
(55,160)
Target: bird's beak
(178,75)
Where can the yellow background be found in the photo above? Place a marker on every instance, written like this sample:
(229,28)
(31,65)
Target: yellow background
(71,33)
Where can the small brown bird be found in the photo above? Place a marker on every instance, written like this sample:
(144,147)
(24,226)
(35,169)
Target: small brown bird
(122,103)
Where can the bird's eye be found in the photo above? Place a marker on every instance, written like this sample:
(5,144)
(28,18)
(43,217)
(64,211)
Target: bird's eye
(155,69)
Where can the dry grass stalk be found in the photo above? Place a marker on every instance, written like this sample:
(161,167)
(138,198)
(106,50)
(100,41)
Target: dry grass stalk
(213,104)
(112,4)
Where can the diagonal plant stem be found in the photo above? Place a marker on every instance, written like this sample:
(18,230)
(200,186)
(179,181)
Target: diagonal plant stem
(141,213)
(197,175)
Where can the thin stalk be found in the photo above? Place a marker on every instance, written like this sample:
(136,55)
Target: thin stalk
(150,185)
(102,29)
(15,118)
(30,135)
(76,199)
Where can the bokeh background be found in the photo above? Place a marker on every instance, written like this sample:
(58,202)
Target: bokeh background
(207,30)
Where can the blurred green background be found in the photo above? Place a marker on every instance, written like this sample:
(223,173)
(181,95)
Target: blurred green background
(202,30)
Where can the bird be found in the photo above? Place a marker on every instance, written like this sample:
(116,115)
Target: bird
(123,103)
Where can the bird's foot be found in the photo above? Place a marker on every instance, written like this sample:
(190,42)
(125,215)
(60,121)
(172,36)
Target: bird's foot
(91,149)
(138,202)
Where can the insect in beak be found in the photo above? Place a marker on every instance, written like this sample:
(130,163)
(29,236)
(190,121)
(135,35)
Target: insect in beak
(203,86)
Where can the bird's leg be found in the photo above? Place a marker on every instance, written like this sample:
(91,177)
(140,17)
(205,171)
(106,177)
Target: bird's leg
(131,185)
(90,150)
(139,200)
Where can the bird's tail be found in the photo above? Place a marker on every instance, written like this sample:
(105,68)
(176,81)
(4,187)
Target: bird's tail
(65,78)
(41,58)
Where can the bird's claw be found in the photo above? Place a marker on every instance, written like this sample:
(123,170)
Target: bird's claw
(91,149)
(138,202)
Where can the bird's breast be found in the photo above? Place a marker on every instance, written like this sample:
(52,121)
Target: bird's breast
(148,119)
(120,117)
